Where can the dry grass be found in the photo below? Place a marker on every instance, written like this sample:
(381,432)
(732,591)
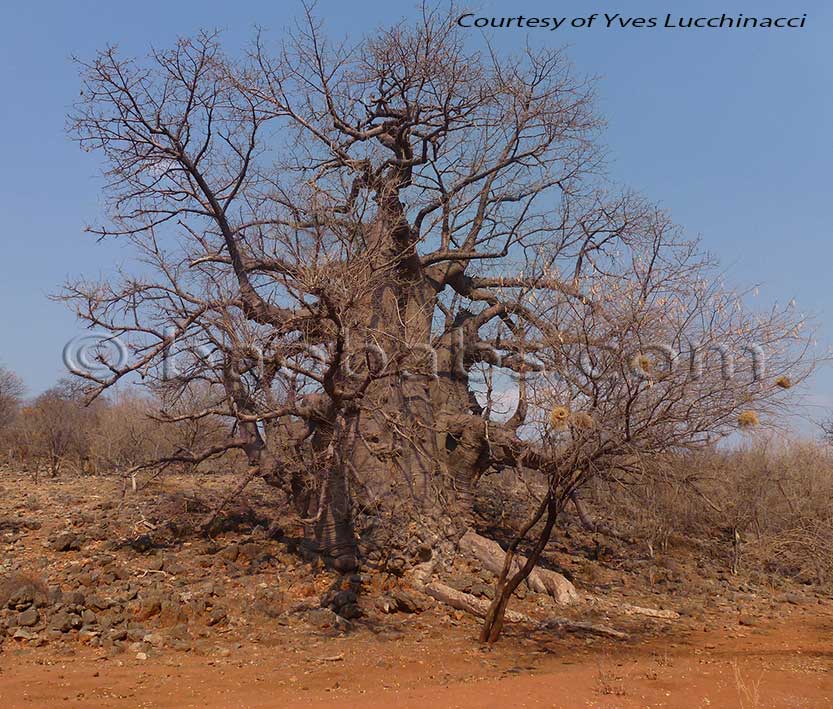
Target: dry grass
(749,691)
(761,509)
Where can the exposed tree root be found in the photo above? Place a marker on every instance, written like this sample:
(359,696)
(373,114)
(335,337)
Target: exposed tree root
(628,609)
(490,554)
(574,626)
(468,603)
(477,607)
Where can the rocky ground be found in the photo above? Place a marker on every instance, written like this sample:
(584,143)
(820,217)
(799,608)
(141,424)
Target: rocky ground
(90,570)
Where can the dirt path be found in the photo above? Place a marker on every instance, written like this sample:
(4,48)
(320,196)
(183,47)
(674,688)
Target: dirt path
(789,664)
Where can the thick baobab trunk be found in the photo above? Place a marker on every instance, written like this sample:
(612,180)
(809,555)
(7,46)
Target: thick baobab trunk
(404,475)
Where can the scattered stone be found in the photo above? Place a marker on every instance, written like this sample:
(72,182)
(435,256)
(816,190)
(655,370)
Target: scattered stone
(66,541)
(350,611)
(136,633)
(28,618)
(148,608)
(88,617)
(218,615)
(60,622)
(251,550)
(171,614)
(24,634)
(76,598)
(141,544)
(483,590)
(97,603)
(386,604)
(408,602)
(87,635)
(324,618)
(230,553)
(154,639)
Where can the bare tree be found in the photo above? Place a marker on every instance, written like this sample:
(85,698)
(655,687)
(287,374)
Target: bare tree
(364,251)
(11,396)
(11,399)
(57,426)
(827,431)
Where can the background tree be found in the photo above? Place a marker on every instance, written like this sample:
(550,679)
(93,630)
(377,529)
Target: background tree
(57,426)
(362,251)
(11,396)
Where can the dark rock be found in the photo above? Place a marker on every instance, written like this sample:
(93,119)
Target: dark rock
(24,634)
(141,544)
(344,598)
(216,616)
(483,590)
(324,618)
(97,603)
(251,550)
(88,617)
(408,602)
(76,598)
(350,611)
(171,614)
(148,608)
(60,622)
(21,598)
(230,553)
(28,618)
(66,541)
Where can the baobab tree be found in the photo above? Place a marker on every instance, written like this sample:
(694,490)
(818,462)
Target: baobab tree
(362,251)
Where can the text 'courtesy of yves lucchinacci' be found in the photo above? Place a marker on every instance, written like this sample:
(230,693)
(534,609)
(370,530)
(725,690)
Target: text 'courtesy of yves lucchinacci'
(621,21)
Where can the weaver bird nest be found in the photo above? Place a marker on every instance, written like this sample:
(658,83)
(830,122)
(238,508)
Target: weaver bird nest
(783,382)
(748,419)
(559,417)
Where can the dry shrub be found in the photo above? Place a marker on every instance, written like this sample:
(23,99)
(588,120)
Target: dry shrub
(767,508)
(61,430)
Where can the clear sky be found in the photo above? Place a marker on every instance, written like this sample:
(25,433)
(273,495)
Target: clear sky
(729,129)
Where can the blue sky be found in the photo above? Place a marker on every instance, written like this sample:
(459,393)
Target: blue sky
(731,130)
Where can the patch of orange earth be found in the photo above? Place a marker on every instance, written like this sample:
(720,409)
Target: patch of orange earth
(786,664)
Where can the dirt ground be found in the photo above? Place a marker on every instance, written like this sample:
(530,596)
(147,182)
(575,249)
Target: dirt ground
(783,665)
(111,600)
